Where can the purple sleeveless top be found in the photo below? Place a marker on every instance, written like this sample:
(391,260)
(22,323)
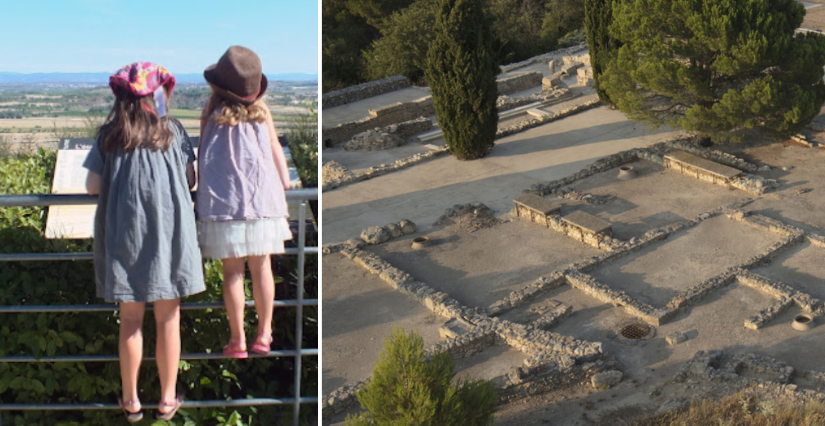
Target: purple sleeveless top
(237,176)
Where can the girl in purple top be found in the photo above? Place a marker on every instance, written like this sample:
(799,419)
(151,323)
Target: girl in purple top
(240,204)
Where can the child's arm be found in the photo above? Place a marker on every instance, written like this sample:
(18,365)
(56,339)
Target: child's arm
(93,183)
(190,175)
(277,150)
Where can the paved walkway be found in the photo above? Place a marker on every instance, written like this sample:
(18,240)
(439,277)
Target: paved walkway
(422,193)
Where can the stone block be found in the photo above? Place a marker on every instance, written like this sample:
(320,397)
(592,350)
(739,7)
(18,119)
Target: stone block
(675,338)
(550,82)
(394,230)
(454,328)
(606,379)
(375,235)
(407,226)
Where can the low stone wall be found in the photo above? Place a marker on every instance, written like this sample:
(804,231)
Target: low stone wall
(363,91)
(383,169)
(710,366)
(529,124)
(545,58)
(655,153)
(390,136)
(518,83)
(379,117)
(553,356)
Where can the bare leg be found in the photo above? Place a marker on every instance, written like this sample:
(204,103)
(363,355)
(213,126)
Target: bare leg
(167,319)
(263,288)
(234,298)
(130,347)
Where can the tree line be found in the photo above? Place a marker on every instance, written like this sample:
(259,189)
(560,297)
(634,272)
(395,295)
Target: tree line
(365,40)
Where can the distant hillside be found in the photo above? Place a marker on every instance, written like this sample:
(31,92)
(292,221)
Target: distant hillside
(102,77)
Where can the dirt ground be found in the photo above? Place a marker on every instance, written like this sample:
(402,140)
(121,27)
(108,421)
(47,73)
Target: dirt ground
(481,267)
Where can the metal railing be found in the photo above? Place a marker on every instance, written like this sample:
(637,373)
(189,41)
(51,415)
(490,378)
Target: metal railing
(53,200)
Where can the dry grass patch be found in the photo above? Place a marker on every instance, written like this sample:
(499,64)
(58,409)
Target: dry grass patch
(739,410)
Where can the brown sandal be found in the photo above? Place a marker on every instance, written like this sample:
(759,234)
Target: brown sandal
(131,417)
(169,415)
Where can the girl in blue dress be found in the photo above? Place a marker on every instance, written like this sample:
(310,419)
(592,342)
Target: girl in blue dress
(146,247)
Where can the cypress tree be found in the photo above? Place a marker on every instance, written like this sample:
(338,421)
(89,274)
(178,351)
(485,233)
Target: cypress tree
(597,17)
(461,73)
(716,67)
(407,390)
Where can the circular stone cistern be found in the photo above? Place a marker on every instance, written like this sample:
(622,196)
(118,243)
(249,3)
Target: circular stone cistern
(803,322)
(626,173)
(633,331)
(420,242)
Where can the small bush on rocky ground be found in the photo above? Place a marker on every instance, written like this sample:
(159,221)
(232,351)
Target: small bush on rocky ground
(407,389)
(739,410)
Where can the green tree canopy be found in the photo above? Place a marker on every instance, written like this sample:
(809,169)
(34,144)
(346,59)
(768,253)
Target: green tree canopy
(402,49)
(461,72)
(407,390)
(598,15)
(716,67)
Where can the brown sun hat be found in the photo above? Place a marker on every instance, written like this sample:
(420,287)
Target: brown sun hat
(237,76)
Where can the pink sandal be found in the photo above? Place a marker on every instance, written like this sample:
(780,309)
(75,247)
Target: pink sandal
(262,345)
(235,350)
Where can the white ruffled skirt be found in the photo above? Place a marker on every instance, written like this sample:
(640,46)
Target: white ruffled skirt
(242,238)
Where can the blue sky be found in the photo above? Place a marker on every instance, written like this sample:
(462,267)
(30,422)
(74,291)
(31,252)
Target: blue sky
(185,36)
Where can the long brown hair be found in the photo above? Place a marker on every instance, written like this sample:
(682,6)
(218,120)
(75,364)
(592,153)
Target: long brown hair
(232,112)
(130,126)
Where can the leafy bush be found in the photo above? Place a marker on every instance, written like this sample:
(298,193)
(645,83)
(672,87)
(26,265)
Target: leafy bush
(303,144)
(61,334)
(405,389)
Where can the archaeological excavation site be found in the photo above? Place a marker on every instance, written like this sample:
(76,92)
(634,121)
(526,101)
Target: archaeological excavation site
(588,267)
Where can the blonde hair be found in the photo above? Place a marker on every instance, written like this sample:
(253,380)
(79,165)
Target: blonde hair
(233,113)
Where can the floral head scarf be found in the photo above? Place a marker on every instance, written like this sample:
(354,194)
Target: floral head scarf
(142,78)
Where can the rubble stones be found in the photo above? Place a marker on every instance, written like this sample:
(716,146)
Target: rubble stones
(375,235)
(333,171)
(675,338)
(394,230)
(407,226)
(606,379)
(373,140)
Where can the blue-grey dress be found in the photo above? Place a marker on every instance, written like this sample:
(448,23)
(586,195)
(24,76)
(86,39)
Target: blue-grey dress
(146,245)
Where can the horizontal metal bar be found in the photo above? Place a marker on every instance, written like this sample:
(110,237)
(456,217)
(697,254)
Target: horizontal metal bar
(112,358)
(33,309)
(31,257)
(249,402)
(30,200)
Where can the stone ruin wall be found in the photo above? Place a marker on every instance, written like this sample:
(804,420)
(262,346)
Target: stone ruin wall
(363,91)
(405,111)
(380,117)
(518,83)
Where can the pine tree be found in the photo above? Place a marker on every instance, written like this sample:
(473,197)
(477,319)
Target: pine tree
(597,17)
(407,390)
(717,67)
(461,73)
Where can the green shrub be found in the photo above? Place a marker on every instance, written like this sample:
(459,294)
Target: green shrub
(405,389)
(303,144)
(61,334)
